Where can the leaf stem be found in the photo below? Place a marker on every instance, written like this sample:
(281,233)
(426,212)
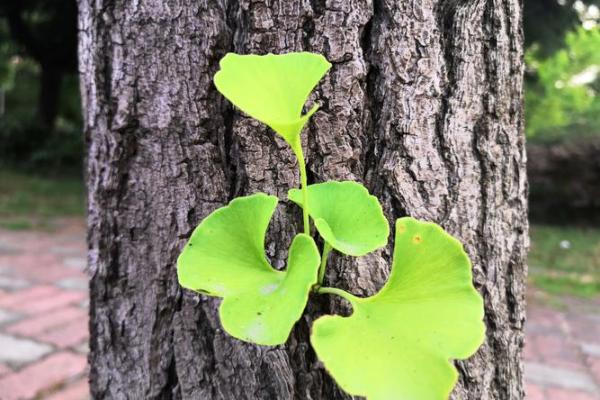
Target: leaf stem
(304,184)
(324,257)
(339,292)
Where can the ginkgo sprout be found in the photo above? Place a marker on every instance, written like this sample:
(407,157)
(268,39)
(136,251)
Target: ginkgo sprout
(397,344)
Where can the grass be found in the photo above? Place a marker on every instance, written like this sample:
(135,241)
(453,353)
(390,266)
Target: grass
(28,201)
(565,260)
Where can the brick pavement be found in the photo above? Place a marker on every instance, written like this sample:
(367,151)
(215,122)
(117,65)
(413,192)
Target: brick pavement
(562,349)
(43,314)
(43,326)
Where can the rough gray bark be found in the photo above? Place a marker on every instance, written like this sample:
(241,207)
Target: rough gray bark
(423,105)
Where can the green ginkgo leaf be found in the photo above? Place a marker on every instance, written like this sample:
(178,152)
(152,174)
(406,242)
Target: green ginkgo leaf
(346,216)
(399,343)
(273,88)
(225,257)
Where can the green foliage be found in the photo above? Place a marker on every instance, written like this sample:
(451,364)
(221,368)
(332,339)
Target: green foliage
(546,21)
(346,216)
(38,132)
(564,92)
(7,65)
(402,338)
(225,257)
(273,88)
(44,30)
(24,141)
(398,343)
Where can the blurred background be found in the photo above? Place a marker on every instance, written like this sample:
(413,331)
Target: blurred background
(41,142)
(42,150)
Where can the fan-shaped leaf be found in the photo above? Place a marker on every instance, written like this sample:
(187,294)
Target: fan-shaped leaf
(346,216)
(225,257)
(273,88)
(398,343)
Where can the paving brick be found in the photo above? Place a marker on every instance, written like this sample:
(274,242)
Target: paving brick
(563,394)
(83,348)
(75,282)
(529,352)
(78,263)
(4,370)
(591,349)
(547,375)
(534,392)
(545,321)
(558,351)
(8,249)
(34,379)
(41,268)
(72,250)
(47,321)
(5,269)
(12,283)
(79,390)
(68,335)
(594,365)
(59,300)
(7,317)
(20,351)
(26,295)
(585,328)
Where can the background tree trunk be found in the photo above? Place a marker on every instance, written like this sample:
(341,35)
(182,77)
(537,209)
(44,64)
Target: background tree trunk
(423,105)
(51,80)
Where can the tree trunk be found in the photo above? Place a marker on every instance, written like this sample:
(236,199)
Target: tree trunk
(423,105)
(50,89)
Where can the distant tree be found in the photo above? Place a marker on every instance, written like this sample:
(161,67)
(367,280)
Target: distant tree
(561,96)
(45,30)
(547,21)
(7,70)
